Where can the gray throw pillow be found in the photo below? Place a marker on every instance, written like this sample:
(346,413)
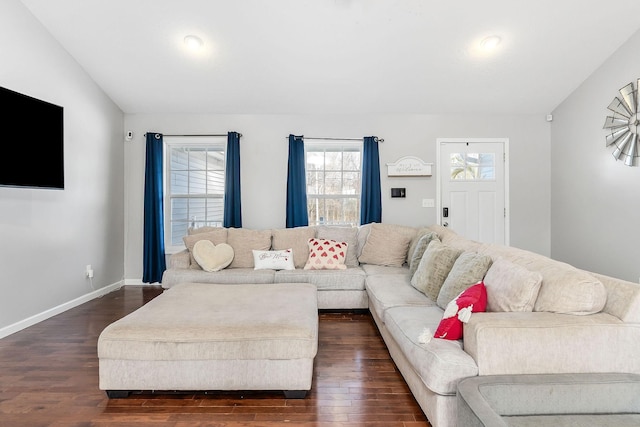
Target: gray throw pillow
(433,268)
(469,269)
(418,250)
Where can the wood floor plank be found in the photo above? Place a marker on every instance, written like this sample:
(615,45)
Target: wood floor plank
(49,378)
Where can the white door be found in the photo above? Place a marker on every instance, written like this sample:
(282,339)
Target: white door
(473,188)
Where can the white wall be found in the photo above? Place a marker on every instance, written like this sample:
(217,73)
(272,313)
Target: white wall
(264,165)
(595,199)
(48,236)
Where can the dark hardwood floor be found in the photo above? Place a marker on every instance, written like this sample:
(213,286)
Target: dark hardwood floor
(49,377)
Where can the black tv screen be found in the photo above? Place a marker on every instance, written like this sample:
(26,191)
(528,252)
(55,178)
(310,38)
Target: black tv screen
(32,141)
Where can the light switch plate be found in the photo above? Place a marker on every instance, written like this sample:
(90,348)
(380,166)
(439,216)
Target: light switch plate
(428,203)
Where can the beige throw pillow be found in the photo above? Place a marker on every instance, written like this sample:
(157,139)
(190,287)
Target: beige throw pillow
(386,245)
(212,257)
(468,270)
(349,235)
(215,236)
(244,241)
(295,239)
(565,289)
(511,287)
(434,268)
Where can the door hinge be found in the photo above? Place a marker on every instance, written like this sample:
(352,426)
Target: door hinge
(505,212)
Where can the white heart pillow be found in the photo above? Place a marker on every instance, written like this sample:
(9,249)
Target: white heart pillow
(212,257)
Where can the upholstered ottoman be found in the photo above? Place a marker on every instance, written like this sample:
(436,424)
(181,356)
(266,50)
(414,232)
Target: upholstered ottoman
(558,400)
(198,336)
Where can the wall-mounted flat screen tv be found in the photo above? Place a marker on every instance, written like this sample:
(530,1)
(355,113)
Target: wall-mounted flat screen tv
(31,141)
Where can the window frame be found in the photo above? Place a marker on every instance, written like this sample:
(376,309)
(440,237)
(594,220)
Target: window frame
(345,145)
(213,143)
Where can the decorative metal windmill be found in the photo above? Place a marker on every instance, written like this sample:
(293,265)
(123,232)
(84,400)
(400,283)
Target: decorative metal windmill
(624,125)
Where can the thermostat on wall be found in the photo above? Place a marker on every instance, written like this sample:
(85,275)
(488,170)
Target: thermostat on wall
(398,192)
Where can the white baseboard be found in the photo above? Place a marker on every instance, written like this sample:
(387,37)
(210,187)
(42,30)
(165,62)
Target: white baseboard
(37,318)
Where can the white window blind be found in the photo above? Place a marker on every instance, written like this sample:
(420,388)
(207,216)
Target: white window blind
(194,185)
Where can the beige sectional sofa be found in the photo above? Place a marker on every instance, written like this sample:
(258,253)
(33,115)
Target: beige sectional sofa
(543,316)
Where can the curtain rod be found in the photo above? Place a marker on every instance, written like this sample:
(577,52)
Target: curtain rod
(198,134)
(337,139)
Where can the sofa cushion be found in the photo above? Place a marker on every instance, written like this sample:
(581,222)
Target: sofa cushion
(387,245)
(374,270)
(274,260)
(214,235)
(416,251)
(533,343)
(212,257)
(386,291)
(180,259)
(295,239)
(244,241)
(434,267)
(363,233)
(469,269)
(458,312)
(217,322)
(351,279)
(342,234)
(511,287)
(567,290)
(440,364)
(174,276)
(326,254)
(564,289)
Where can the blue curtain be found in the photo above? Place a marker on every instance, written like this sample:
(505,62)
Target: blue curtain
(153,251)
(371,198)
(232,199)
(297,214)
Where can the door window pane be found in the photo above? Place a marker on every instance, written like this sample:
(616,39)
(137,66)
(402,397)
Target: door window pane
(472,166)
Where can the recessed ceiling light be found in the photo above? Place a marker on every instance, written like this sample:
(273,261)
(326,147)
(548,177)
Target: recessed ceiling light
(193,42)
(490,43)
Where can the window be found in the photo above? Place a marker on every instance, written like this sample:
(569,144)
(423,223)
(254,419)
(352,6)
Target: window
(473,166)
(194,186)
(333,182)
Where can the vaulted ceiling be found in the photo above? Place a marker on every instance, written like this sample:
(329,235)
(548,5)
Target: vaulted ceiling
(339,56)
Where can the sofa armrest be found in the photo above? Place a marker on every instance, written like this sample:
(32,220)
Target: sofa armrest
(545,343)
(180,259)
(484,400)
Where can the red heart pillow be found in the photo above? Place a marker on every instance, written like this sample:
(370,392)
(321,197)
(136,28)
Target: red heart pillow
(326,254)
(458,311)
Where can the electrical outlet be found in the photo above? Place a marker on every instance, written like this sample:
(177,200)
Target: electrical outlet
(89,271)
